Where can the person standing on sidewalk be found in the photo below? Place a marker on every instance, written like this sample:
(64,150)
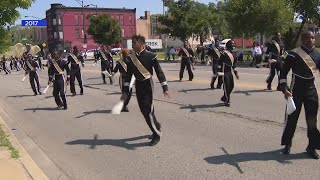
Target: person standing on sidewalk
(305,64)
(141,63)
(4,67)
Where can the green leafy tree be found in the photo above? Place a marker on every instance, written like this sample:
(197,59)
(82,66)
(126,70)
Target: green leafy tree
(105,30)
(8,14)
(308,11)
(249,17)
(178,21)
(202,18)
(217,21)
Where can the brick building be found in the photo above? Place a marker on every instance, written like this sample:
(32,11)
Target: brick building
(65,25)
(144,25)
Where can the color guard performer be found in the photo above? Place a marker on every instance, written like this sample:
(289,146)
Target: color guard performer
(56,67)
(305,64)
(228,63)
(31,67)
(186,55)
(214,54)
(122,68)
(106,64)
(75,59)
(141,63)
(275,52)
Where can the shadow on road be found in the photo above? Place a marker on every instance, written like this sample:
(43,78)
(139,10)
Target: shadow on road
(94,112)
(235,159)
(193,108)
(124,143)
(20,96)
(248,92)
(42,109)
(187,90)
(94,78)
(114,93)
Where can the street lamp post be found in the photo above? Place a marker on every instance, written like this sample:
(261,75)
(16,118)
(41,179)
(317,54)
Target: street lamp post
(96,6)
(165,36)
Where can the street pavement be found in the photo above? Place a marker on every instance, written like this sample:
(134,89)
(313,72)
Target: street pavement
(202,139)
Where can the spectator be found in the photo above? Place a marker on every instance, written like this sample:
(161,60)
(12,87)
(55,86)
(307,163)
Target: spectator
(258,54)
(173,53)
(252,54)
(168,53)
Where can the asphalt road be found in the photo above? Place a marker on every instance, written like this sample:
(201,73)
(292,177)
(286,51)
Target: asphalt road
(202,139)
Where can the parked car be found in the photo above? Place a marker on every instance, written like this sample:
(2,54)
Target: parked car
(89,54)
(116,51)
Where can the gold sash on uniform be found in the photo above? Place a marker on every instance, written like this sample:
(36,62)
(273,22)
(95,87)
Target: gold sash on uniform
(186,52)
(217,52)
(146,74)
(123,64)
(230,57)
(74,58)
(277,46)
(30,66)
(102,54)
(55,64)
(307,59)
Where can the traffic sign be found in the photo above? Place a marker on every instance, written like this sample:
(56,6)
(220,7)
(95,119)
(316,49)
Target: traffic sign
(34,23)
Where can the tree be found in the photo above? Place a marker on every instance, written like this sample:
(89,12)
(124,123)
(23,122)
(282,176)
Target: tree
(202,17)
(8,14)
(249,17)
(179,20)
(308,11)
(105,30)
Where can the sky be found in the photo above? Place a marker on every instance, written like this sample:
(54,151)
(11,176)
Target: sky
(39,7)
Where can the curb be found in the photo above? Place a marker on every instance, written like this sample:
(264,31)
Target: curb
(31,168)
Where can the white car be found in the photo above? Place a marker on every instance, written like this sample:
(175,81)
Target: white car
(89,54)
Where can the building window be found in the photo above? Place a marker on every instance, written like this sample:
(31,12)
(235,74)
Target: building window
(54,22)
(122,32)
(131,32)
(130,20)
(55,35)
(77,34)
(76,18)
(121,19)
(81,19)
(61,35)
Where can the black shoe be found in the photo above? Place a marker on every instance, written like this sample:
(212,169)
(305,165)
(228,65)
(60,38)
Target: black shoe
(211,86)
(312,153)
(190,79)
(35,94)
(286,149)
(278,88)
(65,107)
(269,87)
(155,140)
(218,87)
(151,137)
(227,103)
(81,91)
(223,99)
(73,94)
(104,82)
(60,106)
(180,79)
(40,93)
(125,109)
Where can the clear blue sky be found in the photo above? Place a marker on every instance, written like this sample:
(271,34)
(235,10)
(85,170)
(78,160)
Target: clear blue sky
(39,8)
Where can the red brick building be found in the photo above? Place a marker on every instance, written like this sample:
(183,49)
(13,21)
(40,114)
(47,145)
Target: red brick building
(65,25)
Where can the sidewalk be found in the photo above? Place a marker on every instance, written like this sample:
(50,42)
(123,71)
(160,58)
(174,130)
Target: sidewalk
(22,168)
(10,168)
